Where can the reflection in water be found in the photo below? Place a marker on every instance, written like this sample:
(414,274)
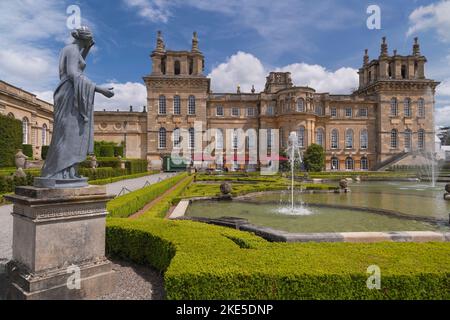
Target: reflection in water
(406,198)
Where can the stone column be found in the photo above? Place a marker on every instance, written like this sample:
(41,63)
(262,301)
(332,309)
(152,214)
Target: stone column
(59,244)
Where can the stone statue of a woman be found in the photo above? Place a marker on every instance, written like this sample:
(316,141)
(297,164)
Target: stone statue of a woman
(73,130)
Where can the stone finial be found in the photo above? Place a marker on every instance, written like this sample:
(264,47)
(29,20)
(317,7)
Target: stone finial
(416,47)
(238,89)
(366,57)
(253,89)
(384,47)
(160,47)
(195,42)
(395,52)
(144,109)
(131,108)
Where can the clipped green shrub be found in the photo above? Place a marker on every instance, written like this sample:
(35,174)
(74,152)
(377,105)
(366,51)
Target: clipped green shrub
(209,262)
(136,165)
(28,150)
(107,151)
(120,178)
(132,202)
(102,173)
(8,183)
(10,140)
(314,158)
(118,151)
(44,152)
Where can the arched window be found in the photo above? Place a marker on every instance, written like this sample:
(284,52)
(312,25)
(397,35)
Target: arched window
(191,105)
(301,136)
(408,140)
(176,138)
(320,137)
(394,107)
(319,110)
(421,142)
(300,105)
(176,105)
(25,124)
(364,163)
(407,107)
(162,105)
(349,164)
(364,139)
(421,108)
(334,164)
(334,139)
(11,115)
(394,139)
(349,139)
(162,138)
(191,138)
(44,135)
(177,67)
(219,139)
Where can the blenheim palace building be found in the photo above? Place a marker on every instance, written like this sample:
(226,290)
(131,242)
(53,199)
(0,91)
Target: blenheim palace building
(387,119)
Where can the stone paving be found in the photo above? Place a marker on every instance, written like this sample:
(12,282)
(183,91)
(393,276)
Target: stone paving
(113,188)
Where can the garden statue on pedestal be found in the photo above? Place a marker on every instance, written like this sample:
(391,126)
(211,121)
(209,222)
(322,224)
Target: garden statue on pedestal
(73,131)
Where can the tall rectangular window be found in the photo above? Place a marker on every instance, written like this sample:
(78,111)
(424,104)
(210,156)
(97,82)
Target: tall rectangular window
(219,111)
(348,112)
(162,105)
(270,110)
(250,112)
(333,112)
(176,105)
(191,105)
(363,112)
(235,112)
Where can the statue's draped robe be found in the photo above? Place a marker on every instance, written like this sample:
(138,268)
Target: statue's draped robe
(73,129)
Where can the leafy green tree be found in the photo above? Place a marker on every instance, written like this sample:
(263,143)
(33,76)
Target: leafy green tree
(314,158)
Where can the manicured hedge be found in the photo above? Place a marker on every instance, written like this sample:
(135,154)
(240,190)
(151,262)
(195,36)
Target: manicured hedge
(44,152)
(102,173)
(107,151)
(28,150)
(203,261)
(130,203)
(10,140)
(118,151)
(8,183)
(120,178)
(136,165)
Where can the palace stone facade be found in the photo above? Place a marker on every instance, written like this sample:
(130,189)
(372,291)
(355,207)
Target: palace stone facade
(389,118)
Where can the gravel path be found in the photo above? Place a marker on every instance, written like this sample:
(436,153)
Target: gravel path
(136,282)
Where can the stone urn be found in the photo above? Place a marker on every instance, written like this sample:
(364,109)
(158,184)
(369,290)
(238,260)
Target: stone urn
(20,159)
(447,192)
(225,189)
(93,162)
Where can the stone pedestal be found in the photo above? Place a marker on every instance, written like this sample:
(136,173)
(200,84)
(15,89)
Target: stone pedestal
(59,244)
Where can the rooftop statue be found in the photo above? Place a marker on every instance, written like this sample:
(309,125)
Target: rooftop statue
(73,131)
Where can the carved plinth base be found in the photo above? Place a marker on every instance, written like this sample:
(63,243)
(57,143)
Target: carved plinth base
(58,239)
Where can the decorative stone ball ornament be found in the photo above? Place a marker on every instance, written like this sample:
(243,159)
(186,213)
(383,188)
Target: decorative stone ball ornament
(226,188)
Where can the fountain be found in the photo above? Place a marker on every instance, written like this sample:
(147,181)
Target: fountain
(294,154)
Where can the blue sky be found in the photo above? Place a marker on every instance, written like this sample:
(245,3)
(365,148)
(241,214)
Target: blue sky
(320,42)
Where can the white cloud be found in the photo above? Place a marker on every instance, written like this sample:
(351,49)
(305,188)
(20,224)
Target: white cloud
(444,88)
(241,69)
(434,16)
(24,26)
(247,70)
(442,116)
(154,10)
(126,95)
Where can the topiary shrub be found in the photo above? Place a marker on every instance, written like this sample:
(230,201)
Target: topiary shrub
(314,158)
(118,151)
(10,140)
(107,151)
(44,152)
(28,150)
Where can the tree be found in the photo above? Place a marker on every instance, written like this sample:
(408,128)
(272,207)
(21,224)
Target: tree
(314,158)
